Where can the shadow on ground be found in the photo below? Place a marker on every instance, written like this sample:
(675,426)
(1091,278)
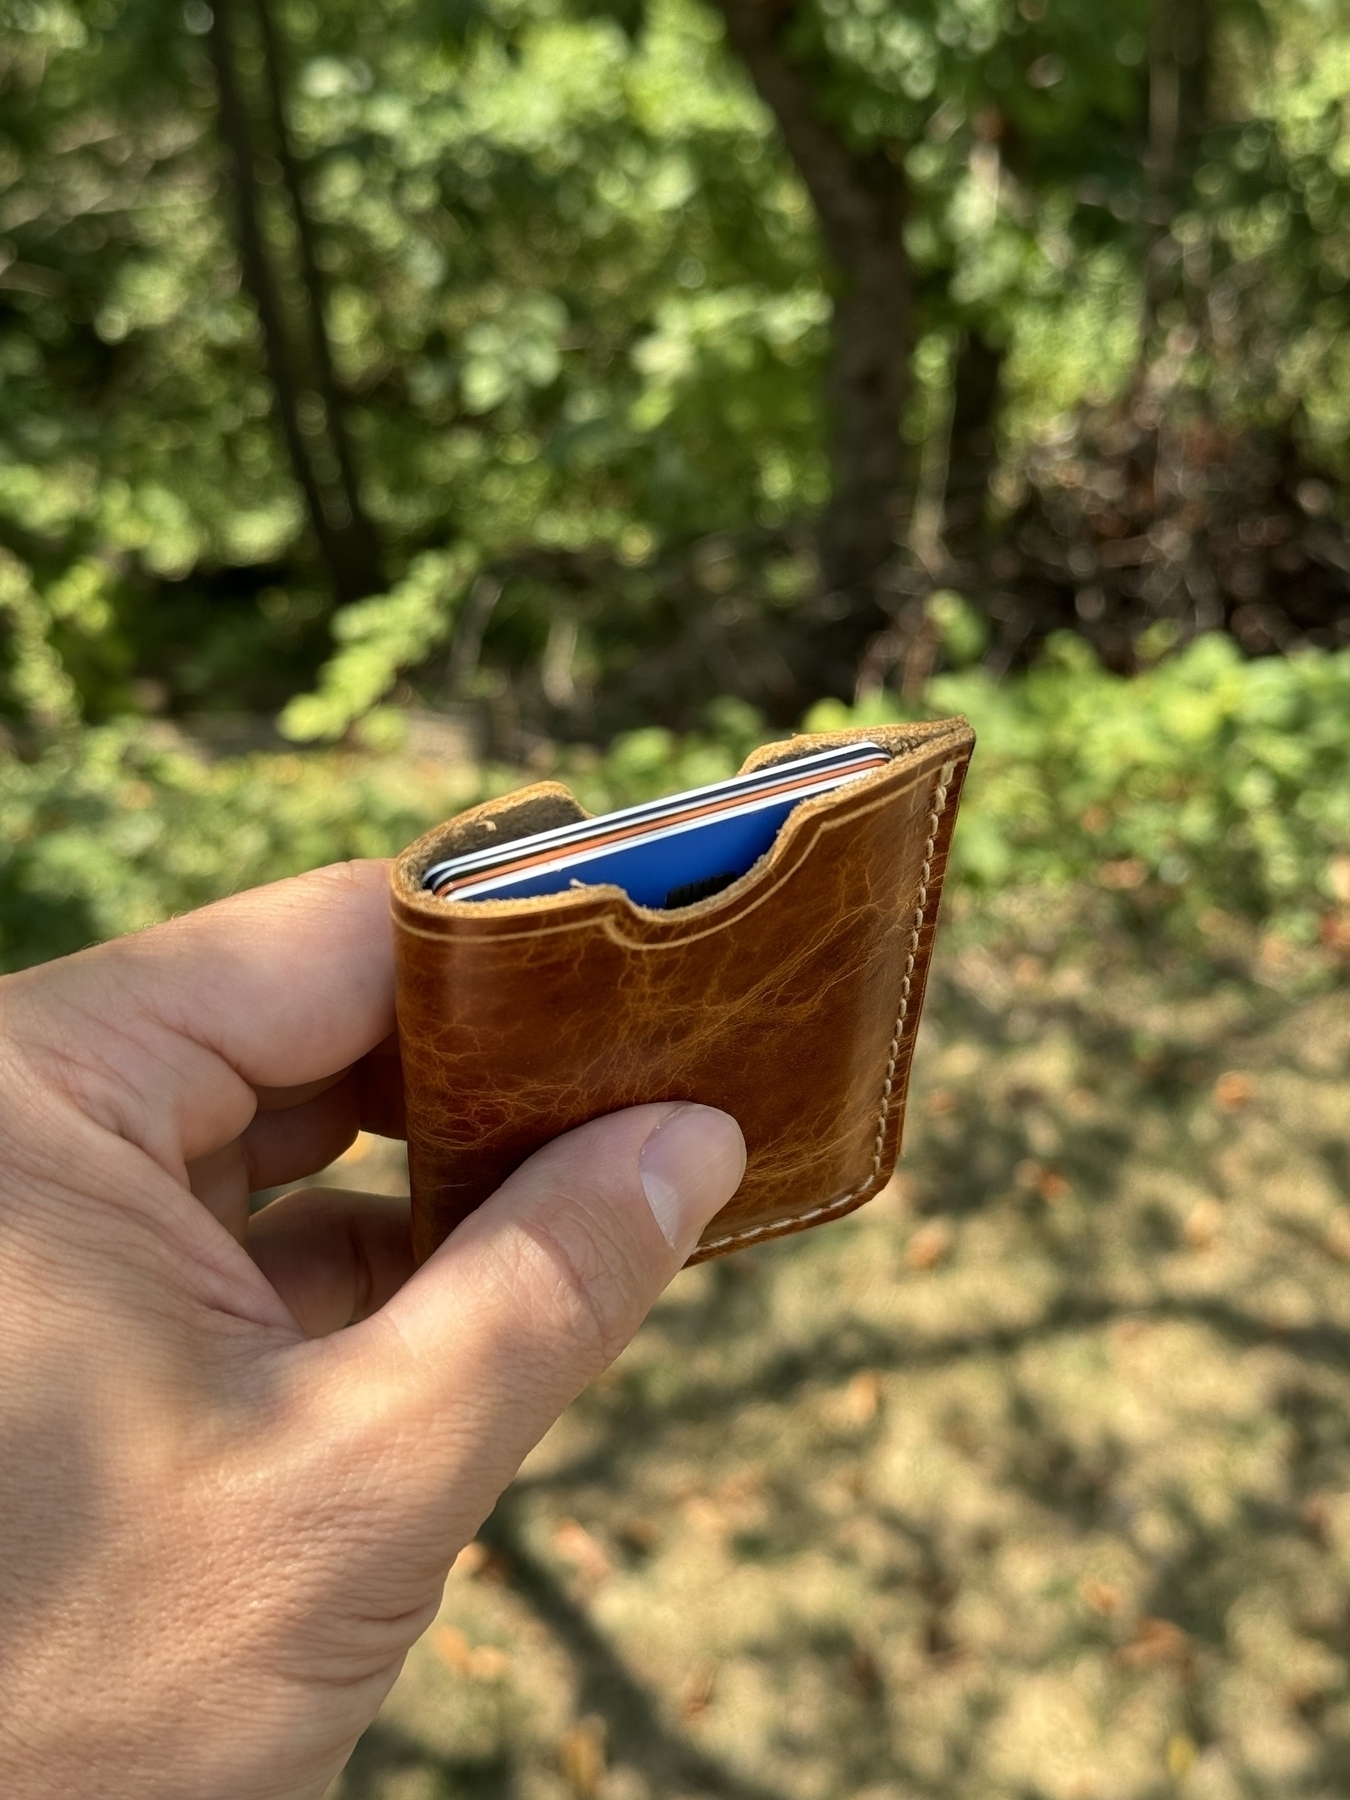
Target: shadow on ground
(1031,1481)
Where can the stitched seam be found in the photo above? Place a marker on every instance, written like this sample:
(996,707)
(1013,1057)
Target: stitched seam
(901,1020)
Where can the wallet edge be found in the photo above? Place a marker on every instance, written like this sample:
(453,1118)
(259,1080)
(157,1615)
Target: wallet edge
(895,1081)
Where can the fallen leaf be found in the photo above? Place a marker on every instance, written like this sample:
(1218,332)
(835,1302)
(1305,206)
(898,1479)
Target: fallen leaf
(939,1103)
(929,1245)
(1102,1596)
(581,1756)
(855,1405)
(480,1662)
(586,1553)
(1053,1187)
(1181,1754)
(1234,1090)
(1158,1642)
(699,1693)
(453,1648)
(472,1560)
(1203,1223)
(1124,873)
(862,1397)
(704,1515)
(496,1568)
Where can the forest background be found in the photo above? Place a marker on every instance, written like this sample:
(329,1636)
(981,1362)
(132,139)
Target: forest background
(615,382)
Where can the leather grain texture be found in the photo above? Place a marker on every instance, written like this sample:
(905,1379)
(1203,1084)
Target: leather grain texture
(790,999)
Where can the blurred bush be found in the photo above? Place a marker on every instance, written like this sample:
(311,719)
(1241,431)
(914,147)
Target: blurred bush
(117,826)
(1204,789)
(543,303)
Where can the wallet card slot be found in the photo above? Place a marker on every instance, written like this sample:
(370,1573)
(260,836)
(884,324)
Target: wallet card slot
(658,846)
(624,919)
(551,805)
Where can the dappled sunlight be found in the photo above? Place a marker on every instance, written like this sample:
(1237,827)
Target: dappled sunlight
(1050,1507)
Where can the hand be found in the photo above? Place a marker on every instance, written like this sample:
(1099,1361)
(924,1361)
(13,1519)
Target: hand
(220,1528)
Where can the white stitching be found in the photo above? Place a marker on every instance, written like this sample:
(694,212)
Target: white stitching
(839,1204)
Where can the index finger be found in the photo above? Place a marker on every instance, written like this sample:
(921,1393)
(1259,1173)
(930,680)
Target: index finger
(165,1036)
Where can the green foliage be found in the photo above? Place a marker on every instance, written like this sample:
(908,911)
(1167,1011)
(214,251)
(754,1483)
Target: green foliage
(1205,786)
(578,307)
(573,297)
(961,628)
(378,638)
(116,827)
(41,689)
(640,765)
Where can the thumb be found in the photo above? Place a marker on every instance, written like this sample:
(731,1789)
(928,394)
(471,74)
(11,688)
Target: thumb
(467,1366)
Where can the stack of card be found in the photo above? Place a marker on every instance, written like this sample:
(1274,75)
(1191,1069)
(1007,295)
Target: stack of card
(666,853)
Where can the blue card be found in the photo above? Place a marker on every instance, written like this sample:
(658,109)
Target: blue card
(665,853)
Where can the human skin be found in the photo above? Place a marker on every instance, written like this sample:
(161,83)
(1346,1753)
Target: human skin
(223,1519)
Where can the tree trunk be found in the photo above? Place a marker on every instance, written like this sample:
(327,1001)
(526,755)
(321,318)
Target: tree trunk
(363,548)
(332,523)
(860,200)
(867,381)
(1178,115)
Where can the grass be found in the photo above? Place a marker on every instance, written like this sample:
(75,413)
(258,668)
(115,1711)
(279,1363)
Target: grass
(1028,1482)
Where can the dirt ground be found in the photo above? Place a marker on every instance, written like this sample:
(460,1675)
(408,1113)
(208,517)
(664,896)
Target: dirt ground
(1030,1481)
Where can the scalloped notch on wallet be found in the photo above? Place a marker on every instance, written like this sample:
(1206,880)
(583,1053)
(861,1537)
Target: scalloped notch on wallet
(789,996)
(663,853)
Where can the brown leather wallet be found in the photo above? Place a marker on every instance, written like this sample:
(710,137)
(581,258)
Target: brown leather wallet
(790,999)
